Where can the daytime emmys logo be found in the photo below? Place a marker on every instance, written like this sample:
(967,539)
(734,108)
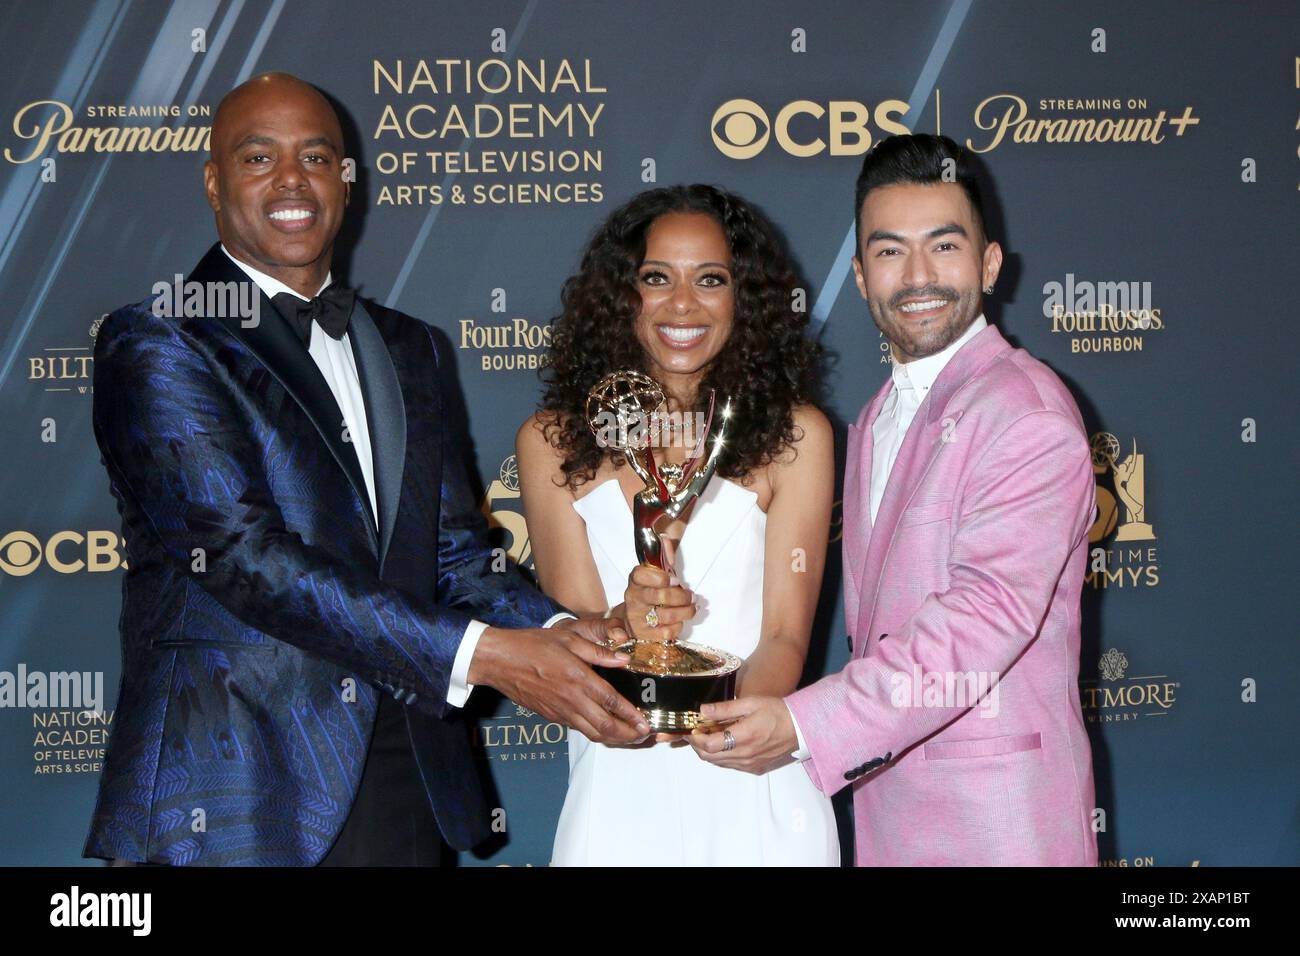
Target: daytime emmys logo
(1122,552)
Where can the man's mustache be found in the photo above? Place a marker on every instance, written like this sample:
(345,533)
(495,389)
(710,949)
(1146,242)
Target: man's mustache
(926,292)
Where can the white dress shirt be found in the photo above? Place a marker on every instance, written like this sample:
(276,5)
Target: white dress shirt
(337,364)
(912,383)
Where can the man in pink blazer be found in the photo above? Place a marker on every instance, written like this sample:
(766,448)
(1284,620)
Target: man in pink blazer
(968,497)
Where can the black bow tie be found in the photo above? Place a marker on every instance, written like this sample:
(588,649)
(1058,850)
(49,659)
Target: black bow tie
(331,310)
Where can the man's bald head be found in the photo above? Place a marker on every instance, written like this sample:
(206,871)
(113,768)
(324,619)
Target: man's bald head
(274,178)
(252,93)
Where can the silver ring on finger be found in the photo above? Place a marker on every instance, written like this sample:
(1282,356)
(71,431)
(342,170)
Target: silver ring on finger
(728,741)
(652,616)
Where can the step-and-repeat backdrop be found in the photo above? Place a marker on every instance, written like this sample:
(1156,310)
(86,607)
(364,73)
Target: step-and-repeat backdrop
(1146,164)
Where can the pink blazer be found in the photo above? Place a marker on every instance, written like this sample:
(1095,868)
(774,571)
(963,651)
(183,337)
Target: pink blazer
(957,720)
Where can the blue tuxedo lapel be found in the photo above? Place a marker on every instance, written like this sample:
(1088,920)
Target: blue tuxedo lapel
(274,342)
(386,416)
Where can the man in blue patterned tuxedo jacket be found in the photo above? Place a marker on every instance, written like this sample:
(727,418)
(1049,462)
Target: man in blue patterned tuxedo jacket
(310,595)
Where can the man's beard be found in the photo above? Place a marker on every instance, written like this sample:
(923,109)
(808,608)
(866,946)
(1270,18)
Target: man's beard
(915,343)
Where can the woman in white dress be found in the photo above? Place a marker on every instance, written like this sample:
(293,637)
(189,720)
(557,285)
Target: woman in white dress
(691,286)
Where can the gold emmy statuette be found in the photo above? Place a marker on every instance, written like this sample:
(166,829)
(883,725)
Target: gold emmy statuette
(1130,485)
(667,680)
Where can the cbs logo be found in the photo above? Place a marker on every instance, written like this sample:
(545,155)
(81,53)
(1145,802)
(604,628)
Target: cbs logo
(21,552)
(741,128)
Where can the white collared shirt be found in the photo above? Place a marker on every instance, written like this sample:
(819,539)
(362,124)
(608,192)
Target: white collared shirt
(337,364)
(912,383)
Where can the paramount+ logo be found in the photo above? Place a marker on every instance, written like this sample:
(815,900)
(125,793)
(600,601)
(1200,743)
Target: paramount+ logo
(67,552)
(802,128)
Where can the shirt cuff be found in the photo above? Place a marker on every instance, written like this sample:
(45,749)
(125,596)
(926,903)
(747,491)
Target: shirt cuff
(802,752)
(459,687)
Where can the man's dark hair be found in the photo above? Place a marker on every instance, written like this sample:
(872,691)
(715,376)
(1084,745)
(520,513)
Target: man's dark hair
(919,158)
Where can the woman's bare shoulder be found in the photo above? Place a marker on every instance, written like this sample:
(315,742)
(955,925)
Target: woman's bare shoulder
(537,435)
(538,453)
(812,431)
(811,422)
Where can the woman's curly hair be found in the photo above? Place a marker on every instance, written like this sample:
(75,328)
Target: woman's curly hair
(766,368)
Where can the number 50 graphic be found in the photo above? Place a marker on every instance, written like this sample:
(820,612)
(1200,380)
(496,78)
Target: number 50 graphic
(506,488)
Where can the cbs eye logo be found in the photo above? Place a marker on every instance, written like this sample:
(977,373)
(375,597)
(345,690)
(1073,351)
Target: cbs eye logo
(741,128)
(66,552)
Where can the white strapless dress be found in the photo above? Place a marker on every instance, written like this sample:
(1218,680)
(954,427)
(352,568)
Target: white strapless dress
(663,805)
